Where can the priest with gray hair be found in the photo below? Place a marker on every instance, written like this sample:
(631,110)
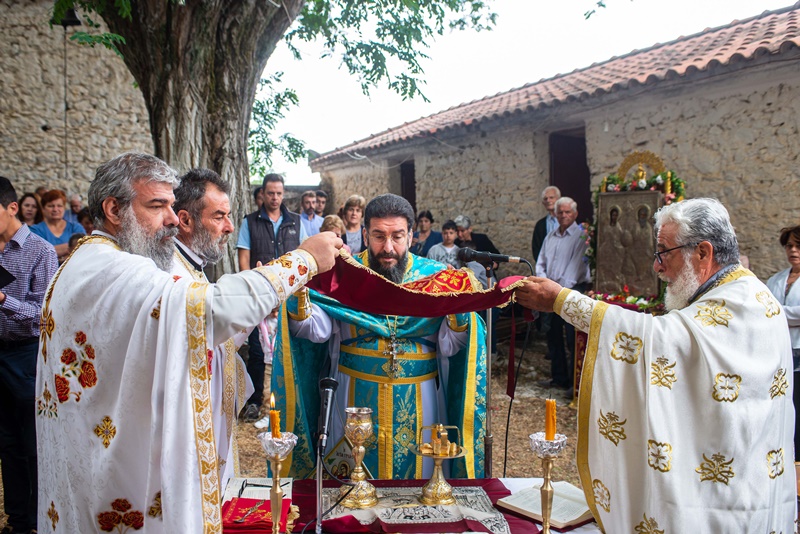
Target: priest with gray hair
(686,420)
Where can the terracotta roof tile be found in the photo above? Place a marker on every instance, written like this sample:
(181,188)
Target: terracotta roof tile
(772,32)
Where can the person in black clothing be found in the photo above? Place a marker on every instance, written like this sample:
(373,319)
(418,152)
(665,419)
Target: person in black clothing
(266,234)
(465,233)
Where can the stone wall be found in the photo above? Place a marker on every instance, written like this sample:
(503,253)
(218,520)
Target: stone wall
(733,137)
(739,144)
(106,113)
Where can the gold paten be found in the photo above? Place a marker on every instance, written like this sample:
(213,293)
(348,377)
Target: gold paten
(437,491)
(358,428)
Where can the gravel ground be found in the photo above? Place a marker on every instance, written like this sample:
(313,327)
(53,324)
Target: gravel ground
(527,416)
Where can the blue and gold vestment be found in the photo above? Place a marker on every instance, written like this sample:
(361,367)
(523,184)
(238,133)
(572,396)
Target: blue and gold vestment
(394,396)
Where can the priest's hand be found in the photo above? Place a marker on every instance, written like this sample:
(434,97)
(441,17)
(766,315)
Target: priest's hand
(538,294)
(324,247)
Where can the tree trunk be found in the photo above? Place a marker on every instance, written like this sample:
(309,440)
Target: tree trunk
(198,67)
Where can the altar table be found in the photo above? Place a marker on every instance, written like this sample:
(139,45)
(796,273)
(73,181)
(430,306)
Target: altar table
(303,494)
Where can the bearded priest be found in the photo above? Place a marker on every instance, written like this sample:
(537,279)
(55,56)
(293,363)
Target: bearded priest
(685,421)
(412,371)
(204,226)
(124,418)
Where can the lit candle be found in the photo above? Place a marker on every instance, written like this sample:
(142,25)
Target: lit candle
(550,420)
(274,418)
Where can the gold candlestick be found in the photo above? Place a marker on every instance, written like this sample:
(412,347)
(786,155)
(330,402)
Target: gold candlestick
(547,450)
(358,428)
(277,450)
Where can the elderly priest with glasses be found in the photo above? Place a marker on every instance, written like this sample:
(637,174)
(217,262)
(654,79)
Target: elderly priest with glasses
(686,421)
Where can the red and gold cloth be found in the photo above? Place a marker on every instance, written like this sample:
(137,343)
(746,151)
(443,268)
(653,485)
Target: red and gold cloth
(258,521)
(446,292)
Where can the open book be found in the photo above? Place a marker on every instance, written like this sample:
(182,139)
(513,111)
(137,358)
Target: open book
(569,505)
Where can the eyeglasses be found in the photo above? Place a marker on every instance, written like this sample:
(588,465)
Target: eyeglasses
(657,254)
(381,239)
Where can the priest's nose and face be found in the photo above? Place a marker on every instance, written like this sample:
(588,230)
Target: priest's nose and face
(210,233)
(149,224)
(388,240)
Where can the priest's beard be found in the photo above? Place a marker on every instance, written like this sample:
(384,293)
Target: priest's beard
(394,273)
(208,247)
(133,238)
(680,290)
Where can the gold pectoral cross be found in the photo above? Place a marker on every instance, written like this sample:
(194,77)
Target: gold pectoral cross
(393,350)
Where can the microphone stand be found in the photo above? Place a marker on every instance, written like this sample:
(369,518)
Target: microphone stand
(327,388)
(489,438)
(318,526)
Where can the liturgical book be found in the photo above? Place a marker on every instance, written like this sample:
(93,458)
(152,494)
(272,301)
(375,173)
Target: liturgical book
(569,505)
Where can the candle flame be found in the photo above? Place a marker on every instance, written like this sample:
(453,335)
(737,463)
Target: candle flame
(271,401)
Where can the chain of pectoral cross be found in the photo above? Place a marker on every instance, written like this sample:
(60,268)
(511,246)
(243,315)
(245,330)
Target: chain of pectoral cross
(393,350)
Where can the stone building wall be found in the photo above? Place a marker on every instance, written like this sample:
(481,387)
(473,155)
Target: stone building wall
(737,141)
(106,114)
(367,179)
(735,137)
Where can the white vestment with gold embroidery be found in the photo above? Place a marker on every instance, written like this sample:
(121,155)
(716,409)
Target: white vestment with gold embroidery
(230,385)
(124,424)
(685,421)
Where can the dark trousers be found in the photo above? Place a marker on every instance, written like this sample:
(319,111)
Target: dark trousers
(560,360)
(18,434)
(255,367)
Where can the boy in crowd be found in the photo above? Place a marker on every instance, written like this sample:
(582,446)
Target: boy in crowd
(445,252)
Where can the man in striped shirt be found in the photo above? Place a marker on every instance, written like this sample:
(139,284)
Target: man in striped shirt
(32,262)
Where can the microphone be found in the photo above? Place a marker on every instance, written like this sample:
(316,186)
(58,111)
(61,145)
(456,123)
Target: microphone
(327,386)
(467,255)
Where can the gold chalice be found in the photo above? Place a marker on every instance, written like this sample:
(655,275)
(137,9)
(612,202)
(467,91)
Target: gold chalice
(358,428)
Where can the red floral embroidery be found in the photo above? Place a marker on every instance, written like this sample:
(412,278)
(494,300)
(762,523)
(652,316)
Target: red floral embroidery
(302,269)
(89,351)
(62,388)
(88,376)
(291,280)
(210,360)
(108,520)
(68,356)
(134,519)
(120,518)
(121,505)
(80,338)
(175,278)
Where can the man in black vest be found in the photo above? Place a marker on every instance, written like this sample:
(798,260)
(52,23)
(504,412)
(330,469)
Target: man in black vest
(266,234)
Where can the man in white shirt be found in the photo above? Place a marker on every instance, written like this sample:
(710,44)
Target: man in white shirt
(562,260)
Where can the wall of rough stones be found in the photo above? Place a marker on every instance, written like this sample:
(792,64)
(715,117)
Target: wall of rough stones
(737,142)
(734,138)
(106,113)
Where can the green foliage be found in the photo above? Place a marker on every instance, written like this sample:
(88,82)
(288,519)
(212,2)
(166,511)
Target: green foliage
(267,111)
(87,7)
(591,12)
(370,36)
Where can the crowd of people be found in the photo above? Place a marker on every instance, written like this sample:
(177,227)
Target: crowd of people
(121,385)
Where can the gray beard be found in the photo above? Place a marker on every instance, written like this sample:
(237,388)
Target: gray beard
(207,247)
(680,290)
(133,238)
(396,273)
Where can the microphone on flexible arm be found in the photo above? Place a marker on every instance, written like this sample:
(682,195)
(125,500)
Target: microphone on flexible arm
(467,255)
(327,387)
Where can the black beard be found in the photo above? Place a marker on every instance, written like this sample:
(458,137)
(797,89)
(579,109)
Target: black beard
(395,273)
